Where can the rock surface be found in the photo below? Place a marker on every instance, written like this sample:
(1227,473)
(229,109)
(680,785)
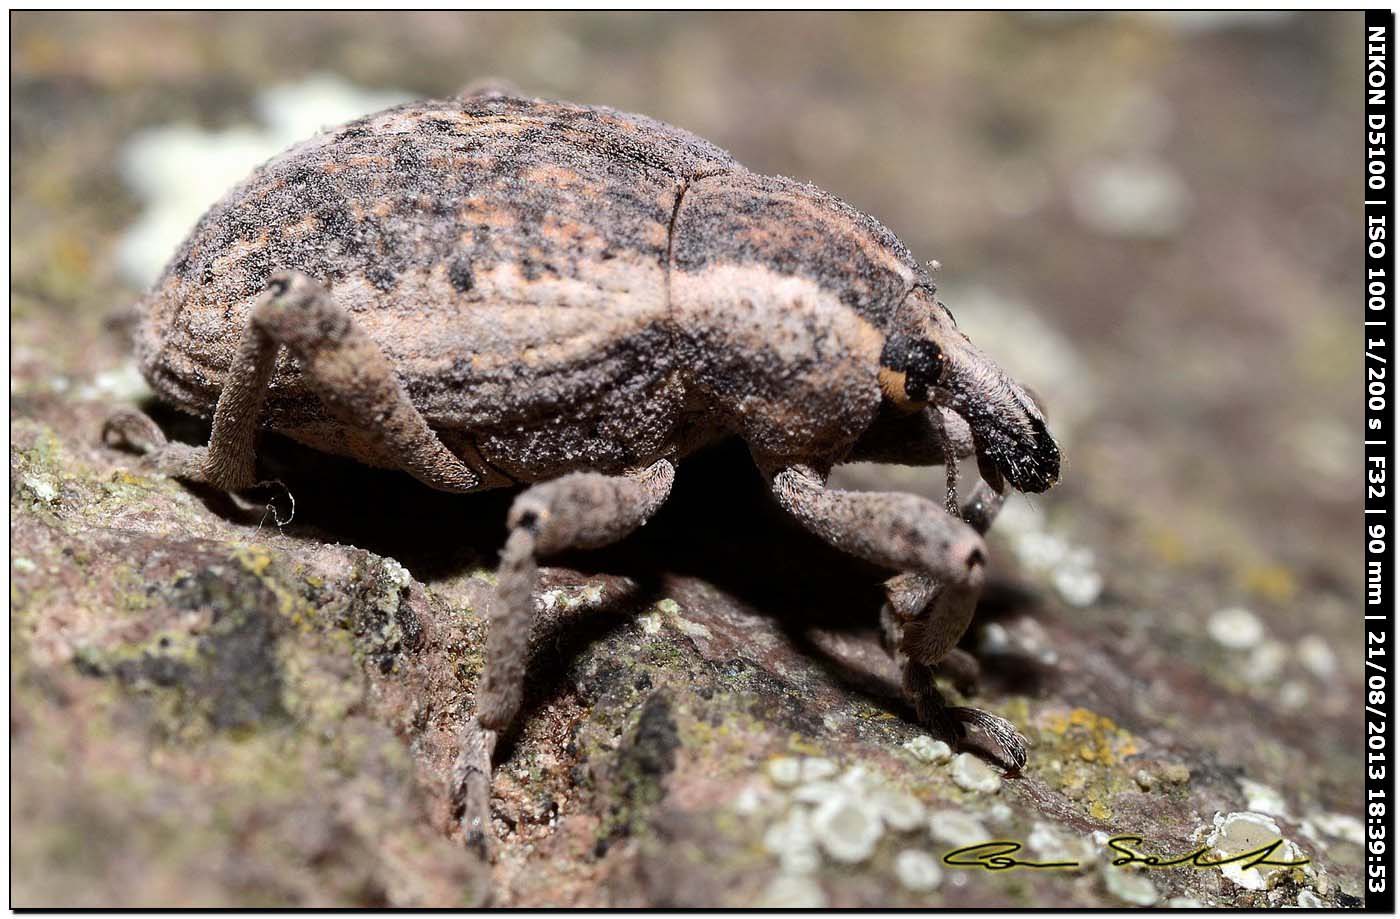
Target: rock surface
(212,709)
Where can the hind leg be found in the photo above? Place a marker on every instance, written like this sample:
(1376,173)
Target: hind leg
(343,366)
(583,510)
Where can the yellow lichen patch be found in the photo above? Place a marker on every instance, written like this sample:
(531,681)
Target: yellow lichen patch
(255,559)
(1167,545)
(797,744)
(1270,582)
(122,477)
(1092,737)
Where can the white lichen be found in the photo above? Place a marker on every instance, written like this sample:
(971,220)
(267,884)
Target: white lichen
(846,829)
(1247,831)
(928,750)
(1130,885)
(1309,900)
(1139,197)
(972,774)
(179,170)
(1262,798)
(753,800)
(993,639)
(784,771)
(788,891)
(1317,656)
(800,861)
(1051,844)
(397,574)
(691,628)
(858,778)
(793,832)
(1071,569)
(819,792)
(1078,585)
(1235,628)
(1293,695)
(124,384)
(1265,661)
(957,828)
(901,812)
(1337,826)
(917,871)
(41,487)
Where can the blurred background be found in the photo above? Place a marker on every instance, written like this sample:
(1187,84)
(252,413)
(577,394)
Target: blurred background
(1153,219)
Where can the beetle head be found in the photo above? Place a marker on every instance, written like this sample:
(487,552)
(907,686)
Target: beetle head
(926,359)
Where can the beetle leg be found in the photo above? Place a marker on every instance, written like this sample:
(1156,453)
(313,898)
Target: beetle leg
(957,665)
(343,366)
(909,594)
(944,562)
(582,510)
(962,669)
(471,786)
(133,430)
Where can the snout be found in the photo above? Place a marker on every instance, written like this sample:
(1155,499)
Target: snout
(1030,462)
(1008,429)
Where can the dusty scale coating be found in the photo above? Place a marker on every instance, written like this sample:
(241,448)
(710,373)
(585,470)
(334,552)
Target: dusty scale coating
(518,251)
(493,290)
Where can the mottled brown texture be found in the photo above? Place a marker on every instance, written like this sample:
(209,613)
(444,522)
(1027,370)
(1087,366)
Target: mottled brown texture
(495,290)
(509,256)
(560,287)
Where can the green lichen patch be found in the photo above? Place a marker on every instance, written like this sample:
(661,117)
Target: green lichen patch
(638,773)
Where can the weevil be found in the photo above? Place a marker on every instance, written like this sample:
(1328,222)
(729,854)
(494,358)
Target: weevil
(494,290)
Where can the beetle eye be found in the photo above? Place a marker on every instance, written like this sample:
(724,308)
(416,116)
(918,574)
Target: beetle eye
(913,365)
(925,368)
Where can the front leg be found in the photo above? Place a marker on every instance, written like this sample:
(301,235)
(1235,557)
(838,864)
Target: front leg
(943,556)
(913,595)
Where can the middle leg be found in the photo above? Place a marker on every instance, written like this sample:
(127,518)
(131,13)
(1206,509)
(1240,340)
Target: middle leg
(583,510)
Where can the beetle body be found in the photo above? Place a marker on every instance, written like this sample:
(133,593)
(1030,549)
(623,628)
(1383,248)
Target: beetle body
(494,290)
(557,286)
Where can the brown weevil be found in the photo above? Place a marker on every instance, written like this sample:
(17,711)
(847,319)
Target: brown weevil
(494,290)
